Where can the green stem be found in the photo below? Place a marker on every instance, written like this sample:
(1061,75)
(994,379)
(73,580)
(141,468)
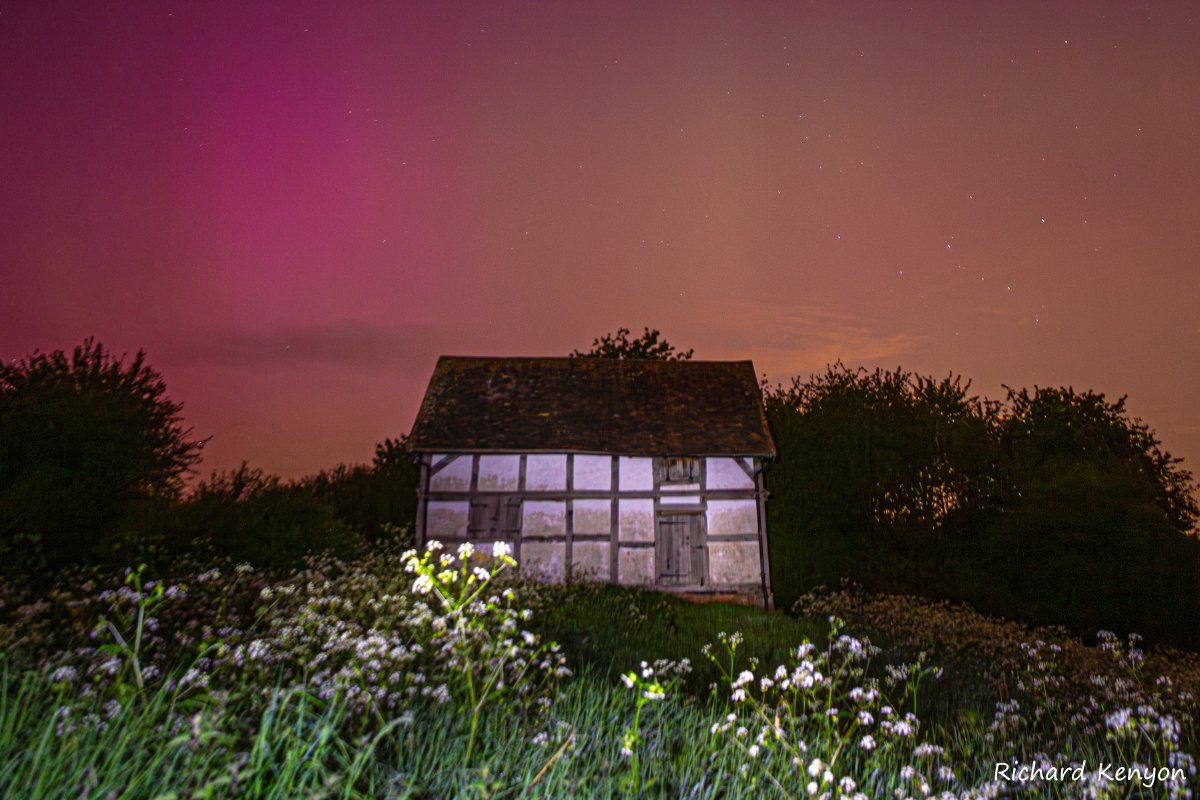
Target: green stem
(471,737)
(137,637)
(634,766)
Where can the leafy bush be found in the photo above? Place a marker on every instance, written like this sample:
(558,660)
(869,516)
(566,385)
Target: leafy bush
(84,439)
(1054,507)
(378,501)
(249,516)
(1058,432)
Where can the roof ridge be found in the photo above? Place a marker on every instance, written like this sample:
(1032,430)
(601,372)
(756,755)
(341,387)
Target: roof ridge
(598,358)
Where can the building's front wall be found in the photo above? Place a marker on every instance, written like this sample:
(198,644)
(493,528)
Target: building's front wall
(606,518)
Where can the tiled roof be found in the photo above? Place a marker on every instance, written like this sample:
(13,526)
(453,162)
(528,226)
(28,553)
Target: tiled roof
(592,405)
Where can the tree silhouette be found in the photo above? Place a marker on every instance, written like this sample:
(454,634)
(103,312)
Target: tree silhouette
(647,346)
(83,437)
(1060,433)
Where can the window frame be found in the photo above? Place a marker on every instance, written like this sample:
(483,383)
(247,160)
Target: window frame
(502,516)
(665,465)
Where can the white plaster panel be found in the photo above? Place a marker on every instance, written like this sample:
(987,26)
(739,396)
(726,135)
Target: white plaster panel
(637,520)
(543,518)
(454,477)
(593,473)
(635,566)
(724,473)
(680,499)
(732,516)
(544,561)
(636,473)
(734,562)
(545,473)
(499,473)
(589,561)
(680,487)
(446,518)
(592,516)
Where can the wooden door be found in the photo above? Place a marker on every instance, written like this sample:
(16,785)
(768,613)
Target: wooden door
(680,550)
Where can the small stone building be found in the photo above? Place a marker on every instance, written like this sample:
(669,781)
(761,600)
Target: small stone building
(647,473)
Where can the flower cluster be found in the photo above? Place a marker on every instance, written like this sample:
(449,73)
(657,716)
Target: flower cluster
(823,720)
(1053,696)
(388,635)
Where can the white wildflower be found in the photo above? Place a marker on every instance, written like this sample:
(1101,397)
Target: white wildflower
(66,674)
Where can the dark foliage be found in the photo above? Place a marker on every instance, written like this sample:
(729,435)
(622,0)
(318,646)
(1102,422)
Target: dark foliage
(85,439)
(646,346)
(1053,431)
(872,461)
(92,461)
(247,515)
(1053,507)
(1097,517)
(378,501)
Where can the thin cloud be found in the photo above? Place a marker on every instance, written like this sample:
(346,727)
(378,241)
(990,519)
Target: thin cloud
(794,340)
(351,344)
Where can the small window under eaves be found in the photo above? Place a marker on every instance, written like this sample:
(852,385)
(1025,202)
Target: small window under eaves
(677,470)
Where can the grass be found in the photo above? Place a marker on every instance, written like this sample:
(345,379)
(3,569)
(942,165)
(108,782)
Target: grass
(612,629)
(157,748)
(343,681)
(294,748)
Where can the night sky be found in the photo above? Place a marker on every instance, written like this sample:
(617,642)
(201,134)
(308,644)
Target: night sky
(296,207)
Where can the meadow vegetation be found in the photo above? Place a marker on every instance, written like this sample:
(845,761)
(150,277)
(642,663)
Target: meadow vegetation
(438,674)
